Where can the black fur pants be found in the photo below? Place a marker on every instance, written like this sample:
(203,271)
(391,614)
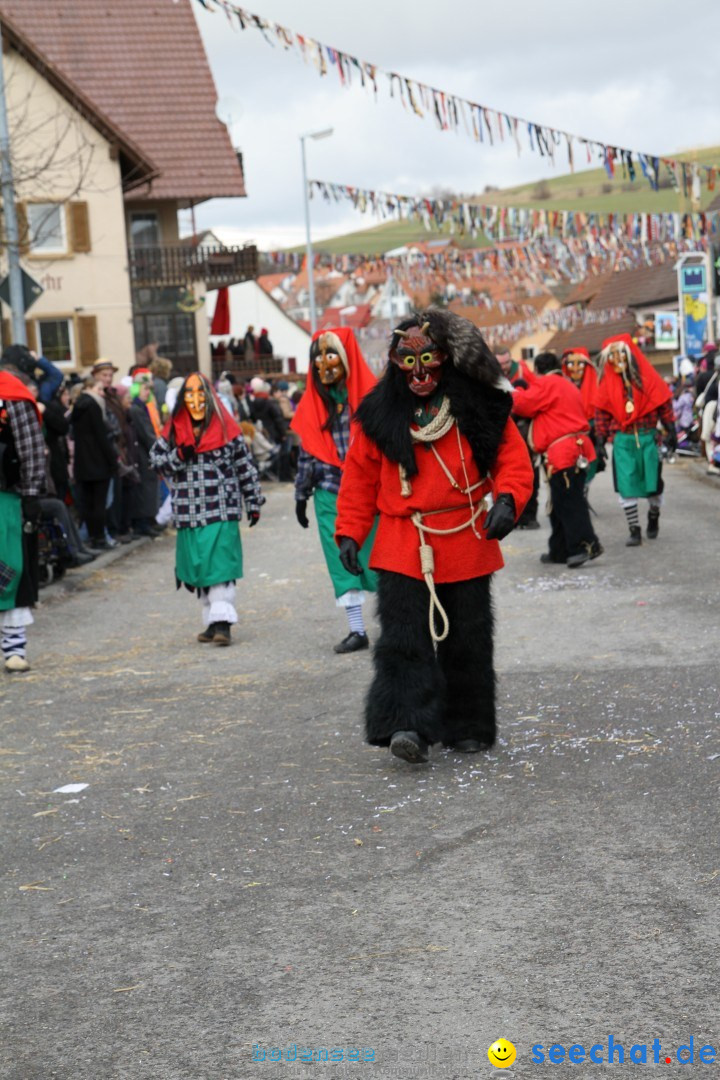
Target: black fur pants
(444,698)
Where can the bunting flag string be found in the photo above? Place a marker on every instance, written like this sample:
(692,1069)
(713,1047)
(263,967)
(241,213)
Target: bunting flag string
(498,223)
(479,122)
(539,263)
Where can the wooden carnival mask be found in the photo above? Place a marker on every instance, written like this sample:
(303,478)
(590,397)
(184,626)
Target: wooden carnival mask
(195,399)
(328,362)
(420,358)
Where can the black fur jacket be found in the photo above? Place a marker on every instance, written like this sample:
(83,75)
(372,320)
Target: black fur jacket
(471,378)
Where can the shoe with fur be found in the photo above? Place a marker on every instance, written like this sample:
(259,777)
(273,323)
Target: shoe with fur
(16,665)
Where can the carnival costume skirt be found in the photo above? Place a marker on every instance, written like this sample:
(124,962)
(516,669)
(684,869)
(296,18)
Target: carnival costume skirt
(343,582)
(18,556)
(636,464)
(209,555)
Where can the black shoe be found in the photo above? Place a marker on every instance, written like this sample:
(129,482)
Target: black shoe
(635,538)
(222,634)
(470,746)
(596,549)
(531,523)
(409,746)
(653,525)
(546,557)
(577,560)
(352,643)
(125,538)
(81,558)
(207,635)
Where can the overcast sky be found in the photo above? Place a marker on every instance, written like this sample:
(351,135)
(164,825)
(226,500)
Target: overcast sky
(632,73)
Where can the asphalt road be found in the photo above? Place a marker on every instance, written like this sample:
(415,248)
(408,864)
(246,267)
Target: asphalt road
(242,870)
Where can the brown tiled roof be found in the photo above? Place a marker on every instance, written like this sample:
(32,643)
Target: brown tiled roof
(143,65)
(591,336)
(636,288)
(137,166)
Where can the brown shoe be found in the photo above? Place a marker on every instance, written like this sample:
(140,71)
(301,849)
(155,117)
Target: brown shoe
(207,635)
(222,634)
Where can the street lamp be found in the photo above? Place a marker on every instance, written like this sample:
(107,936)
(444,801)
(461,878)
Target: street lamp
(308,243)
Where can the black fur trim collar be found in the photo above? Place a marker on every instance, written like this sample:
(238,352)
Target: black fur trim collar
(481,412)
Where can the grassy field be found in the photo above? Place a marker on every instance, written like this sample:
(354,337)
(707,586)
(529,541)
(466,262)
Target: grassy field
(590,191)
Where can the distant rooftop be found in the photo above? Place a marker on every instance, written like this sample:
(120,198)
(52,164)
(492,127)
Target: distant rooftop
(143,65)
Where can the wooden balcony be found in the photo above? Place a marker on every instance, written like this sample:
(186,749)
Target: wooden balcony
(180,265)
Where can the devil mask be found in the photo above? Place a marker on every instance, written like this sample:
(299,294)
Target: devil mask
(328,361)
(420,358)
(195,398)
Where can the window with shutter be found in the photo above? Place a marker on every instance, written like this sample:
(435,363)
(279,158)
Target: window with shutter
(87,339)
(79,227)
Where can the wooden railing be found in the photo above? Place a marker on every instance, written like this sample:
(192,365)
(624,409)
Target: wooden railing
(179,265)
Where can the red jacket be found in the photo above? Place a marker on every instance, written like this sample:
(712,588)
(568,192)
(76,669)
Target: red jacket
(555,406)
(371,484)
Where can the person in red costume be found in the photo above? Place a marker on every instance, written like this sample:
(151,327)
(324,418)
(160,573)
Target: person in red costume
(632,399)
(338,380)
(435,442)
(580,370)
(560,431)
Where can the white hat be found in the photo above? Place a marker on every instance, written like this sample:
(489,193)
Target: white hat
(259,386)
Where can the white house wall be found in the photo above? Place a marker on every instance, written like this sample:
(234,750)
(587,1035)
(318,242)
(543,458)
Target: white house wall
(250,305)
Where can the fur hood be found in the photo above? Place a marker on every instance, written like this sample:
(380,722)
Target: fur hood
(480,397)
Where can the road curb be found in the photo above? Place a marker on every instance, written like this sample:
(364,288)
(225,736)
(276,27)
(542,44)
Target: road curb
(75,578)
(697,470)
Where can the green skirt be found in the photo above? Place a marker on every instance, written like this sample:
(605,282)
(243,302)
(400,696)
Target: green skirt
(11,547)
(209,555)
(326,514)
(636,464)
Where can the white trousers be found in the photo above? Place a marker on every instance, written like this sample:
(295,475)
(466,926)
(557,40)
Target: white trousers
(218,605)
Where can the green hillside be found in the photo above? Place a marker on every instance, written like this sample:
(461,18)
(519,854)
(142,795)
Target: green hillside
(590,191)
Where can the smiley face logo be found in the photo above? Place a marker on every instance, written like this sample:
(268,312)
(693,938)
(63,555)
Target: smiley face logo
(502,1054)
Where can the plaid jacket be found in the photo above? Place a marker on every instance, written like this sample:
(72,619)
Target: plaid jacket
(606,426)
(211,488)
(313,473)
(26,437)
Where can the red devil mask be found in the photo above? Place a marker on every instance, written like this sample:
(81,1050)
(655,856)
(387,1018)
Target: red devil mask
(420,358)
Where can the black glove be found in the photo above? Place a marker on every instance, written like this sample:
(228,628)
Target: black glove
(520,384)
(501,519)
(187,453)
(601,456)
(253,518)
(671,439)
(31,511)
(301,512)
(349,555)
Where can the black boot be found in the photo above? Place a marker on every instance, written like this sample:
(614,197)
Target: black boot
(470,746)
(635,538)
(222,634)
(207,635)
(653,525)
(352,643)
(409,746)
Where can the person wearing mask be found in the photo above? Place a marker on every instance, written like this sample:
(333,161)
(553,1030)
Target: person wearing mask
(561,433)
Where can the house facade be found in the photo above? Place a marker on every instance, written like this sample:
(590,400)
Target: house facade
(113,132)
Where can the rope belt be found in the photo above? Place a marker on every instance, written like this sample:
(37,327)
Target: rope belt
(427,560)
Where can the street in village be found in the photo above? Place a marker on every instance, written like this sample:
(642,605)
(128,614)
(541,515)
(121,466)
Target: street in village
(240,870)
